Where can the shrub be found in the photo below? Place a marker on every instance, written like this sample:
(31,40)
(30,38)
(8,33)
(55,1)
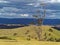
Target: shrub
(27,32)
(50,30)
(14,34)
(49,34)
(45,36)
(36,38)
(57,40)
(51,39)
(28,39)
(29,36)
(5,37)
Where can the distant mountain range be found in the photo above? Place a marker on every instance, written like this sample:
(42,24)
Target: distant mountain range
(28,21)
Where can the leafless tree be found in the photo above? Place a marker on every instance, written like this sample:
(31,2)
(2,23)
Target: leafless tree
(40,19)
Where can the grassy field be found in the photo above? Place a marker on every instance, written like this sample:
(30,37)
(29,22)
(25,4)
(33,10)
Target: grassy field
(28,36)
(28,43)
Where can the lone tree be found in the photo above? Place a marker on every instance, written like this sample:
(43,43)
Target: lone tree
(40,19)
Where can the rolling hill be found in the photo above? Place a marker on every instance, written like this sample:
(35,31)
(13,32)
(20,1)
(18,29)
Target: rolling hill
(31,32)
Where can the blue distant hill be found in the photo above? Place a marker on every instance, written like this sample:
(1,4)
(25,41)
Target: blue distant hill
(28,21)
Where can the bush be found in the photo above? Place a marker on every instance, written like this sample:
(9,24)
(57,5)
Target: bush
(29,36)
(36,38)
(45,36)
(50,30)
(51,39)
(28,39)
(57,40)
(27,32)
(14,34)
(49,34)
(4,37)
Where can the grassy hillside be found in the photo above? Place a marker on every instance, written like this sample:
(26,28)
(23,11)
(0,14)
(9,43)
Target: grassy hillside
(30,33)
(29,43)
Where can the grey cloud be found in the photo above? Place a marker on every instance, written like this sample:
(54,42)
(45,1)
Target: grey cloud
(14,15)
(9,9)
(23,0)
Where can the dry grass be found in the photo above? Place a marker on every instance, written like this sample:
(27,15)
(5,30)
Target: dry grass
(21,34)
(29,31)
(28,43)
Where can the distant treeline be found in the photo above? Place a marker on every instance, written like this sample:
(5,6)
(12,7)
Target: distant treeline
(27,21)
(10,26)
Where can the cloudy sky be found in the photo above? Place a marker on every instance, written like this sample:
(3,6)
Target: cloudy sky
(28,8)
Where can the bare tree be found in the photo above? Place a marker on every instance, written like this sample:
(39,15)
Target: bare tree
(40,19)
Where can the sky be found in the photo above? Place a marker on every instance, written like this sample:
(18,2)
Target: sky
(28,8)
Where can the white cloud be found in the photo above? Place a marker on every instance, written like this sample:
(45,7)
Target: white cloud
(9,9)
(2,1)
(7,14)
(49,10)
(24,15)
(53,15)
(54,1)
(30,4)
(12,12)
(14,15)
(37,4)
(23,0)
(34,4)
(50,1)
